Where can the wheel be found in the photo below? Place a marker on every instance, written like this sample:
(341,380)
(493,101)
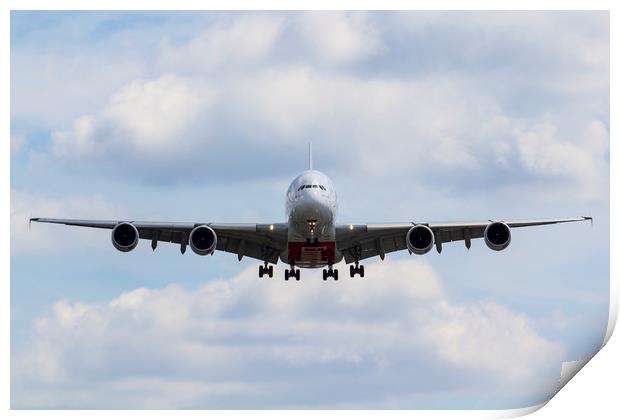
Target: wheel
(324,274)
(351,271)
(270,271)
(362,271)
(261,271)
(297,274)
(336,274)
(285,274)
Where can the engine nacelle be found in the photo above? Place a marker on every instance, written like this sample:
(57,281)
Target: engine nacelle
(125,237)
(420,239)
(497,236)
(203,240)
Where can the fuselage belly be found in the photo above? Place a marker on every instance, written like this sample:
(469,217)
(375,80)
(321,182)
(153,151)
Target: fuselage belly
(311,207)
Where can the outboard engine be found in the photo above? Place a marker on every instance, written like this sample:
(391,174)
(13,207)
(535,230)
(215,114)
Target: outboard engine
(125,237)
(497,236)
(203,240)
(420,239)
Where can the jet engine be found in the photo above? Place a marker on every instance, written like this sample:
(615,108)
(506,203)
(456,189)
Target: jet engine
(203,240)
(125,237)
(420,239)
(497,236)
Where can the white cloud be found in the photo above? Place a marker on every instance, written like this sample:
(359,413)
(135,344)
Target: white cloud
(546,150)
(339,37)
(242,342)
(145,116)
(243,41)
(25,205)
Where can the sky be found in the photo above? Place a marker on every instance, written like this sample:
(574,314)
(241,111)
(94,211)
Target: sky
(205,116)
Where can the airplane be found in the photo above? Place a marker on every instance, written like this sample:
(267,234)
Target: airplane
(310,238)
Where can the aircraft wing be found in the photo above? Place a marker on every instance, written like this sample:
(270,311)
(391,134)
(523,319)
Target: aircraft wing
(261,241)
(366,241)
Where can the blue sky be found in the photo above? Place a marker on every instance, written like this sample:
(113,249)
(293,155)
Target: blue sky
(423,116)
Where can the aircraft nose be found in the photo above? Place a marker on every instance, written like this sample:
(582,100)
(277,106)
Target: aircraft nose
(313,208)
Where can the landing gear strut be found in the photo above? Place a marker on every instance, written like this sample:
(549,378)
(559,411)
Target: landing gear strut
(265,270)
(292,272)
(357,269)
(330,273)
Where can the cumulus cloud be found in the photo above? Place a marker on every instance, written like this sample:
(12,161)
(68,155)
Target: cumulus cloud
(25,205)
(545,149)
(446,125)
(246,342)
(339,37)
(453,91)
(242,41)
(144,117)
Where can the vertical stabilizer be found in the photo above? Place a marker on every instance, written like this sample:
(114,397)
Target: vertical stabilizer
(310,156)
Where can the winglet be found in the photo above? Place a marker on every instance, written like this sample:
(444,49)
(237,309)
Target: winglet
(590,219)
(310,156)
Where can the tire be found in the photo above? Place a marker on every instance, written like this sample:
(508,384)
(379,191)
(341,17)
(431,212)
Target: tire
(336,274)
(362,271)
(271,271)
(261,271)
(286,275)
(324,274)
(351,271)
(297,274)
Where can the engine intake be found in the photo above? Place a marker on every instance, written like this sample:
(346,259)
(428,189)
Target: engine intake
(420,239)
(203,240)
(497,236)
(125,237)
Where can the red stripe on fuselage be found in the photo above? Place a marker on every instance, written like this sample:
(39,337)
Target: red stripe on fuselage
(312,253)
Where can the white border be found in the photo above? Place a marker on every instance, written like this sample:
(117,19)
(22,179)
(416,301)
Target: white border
(594,391)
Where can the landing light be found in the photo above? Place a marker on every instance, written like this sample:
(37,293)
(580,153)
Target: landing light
(270,227)
(350,227)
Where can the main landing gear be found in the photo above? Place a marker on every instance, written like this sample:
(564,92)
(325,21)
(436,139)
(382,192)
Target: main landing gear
(292,272)
(330,273)
(357,269)
(265,270)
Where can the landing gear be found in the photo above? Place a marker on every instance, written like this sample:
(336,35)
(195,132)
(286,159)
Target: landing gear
(357,269)
(265,270)
(330,273)
(292,272)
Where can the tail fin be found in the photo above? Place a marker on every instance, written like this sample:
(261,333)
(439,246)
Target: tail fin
(310,156)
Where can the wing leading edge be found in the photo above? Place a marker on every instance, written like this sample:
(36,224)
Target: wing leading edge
(358,242)
(261,241)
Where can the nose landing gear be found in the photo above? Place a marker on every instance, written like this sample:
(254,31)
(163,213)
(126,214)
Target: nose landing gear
(330,273)
(265,270)
(292,272)
(357,269)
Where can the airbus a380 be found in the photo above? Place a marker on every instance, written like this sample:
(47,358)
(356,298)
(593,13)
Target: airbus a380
(310,238)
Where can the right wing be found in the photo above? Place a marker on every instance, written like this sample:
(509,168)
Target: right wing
(264,242)
(358,242)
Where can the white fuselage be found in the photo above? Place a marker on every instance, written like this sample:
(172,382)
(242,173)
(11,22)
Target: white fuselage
(311,206)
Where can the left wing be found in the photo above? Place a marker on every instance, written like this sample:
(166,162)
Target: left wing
(358,242)
(261,241)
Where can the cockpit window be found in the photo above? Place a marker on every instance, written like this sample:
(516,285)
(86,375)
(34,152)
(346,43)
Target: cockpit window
(312,186)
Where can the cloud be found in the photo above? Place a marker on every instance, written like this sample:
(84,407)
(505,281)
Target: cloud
(240,42)
(451,91)
(144,117)
(339,37)
(544,149)
(25,205)
(451,130)
(246,342)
